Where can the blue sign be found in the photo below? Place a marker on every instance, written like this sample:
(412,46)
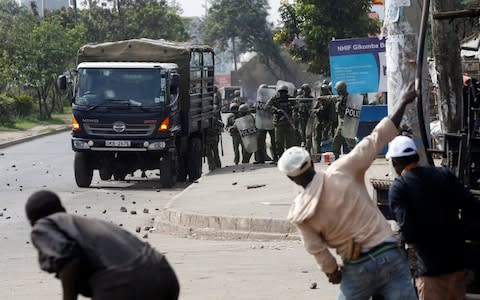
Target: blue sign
(360,63)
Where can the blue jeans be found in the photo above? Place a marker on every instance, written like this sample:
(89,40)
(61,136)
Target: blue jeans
(386,275)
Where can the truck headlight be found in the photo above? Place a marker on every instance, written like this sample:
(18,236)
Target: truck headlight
(80,144)
(157,146)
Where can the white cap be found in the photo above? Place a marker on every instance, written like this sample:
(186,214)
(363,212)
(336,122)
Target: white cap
(294,161)
(401,146)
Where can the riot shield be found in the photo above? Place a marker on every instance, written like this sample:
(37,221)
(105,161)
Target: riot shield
(248,132)
(351,119)
(291,86)
(264,118)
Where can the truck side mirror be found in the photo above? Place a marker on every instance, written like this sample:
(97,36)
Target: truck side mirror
(62,82)
(174,82)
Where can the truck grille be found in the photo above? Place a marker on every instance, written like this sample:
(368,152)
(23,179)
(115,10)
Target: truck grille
(130,130)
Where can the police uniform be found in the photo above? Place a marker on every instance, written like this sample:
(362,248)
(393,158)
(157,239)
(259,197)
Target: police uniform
(211,142)
(285,131)
(302,113)
(322,116)
(236,140)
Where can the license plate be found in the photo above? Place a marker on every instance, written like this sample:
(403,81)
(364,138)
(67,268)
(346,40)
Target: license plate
(117,143)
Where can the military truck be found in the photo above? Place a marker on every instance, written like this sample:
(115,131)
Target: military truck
(141,104)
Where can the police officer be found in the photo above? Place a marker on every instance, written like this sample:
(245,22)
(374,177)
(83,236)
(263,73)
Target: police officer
(264,122)
(282,109)
(341,106)
(237,99)
(302,111)
(244,110)
(235,134)
(212,139)
(322,116)
(217,100)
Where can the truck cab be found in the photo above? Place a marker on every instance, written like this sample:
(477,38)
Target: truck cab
(141,105)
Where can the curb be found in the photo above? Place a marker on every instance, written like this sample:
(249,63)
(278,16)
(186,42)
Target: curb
(212,233)
(33,137)
(225,226)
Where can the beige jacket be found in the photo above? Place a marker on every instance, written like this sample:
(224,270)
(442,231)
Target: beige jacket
(336,209)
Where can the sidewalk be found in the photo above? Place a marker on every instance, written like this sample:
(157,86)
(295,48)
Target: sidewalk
(244,201)
(14,137)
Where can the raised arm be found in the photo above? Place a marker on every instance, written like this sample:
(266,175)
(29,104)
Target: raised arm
(365,152)
(408,96)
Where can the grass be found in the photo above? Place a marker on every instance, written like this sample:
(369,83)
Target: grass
(27,123)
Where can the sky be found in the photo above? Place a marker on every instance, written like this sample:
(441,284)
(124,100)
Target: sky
(197,8)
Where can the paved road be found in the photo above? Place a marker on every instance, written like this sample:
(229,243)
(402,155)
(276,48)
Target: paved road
(206,269)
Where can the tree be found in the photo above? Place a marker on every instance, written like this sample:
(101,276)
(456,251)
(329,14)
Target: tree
(133,19)
(308,26)
(15,23)
(243,26)
(51,49)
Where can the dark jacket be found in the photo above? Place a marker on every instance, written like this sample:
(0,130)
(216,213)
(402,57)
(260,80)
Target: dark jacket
(426,203)
(115,264)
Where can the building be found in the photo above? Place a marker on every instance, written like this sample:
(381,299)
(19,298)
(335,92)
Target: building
(82,4)
(43,5)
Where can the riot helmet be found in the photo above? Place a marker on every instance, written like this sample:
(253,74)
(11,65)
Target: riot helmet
(263,86)
(282,88)
(234,107)
(326,88)
(244,109)
(341,88)
(306,89)
(236,93)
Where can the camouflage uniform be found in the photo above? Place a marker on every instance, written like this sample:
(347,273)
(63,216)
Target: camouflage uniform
(217,101)
(302,114)
(211,141)
(322,118)
(285,131)
(236,140)
(339,139)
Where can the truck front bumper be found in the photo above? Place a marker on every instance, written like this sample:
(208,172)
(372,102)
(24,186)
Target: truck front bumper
(85,145)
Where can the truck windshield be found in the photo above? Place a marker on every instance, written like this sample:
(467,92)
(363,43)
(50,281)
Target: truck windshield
(111,86)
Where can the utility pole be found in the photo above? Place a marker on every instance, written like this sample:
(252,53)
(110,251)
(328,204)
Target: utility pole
(74,3)
(401,26)
(42,11)
(446,51)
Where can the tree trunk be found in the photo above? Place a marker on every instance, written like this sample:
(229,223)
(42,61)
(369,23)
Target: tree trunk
(401,28)
(446,51)
(40,105)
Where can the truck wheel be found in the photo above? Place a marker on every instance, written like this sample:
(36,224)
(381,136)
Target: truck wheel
(83,171)
(119,175)
(195,159)
(168,176)
(105,173)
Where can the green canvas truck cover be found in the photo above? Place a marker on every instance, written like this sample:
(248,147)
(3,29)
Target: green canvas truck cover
(147,50)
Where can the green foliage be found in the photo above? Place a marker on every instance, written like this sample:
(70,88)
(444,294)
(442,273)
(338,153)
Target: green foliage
(134,19)
(244,26)
(7,106)
(24,105)
(308,26)
(34,51)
